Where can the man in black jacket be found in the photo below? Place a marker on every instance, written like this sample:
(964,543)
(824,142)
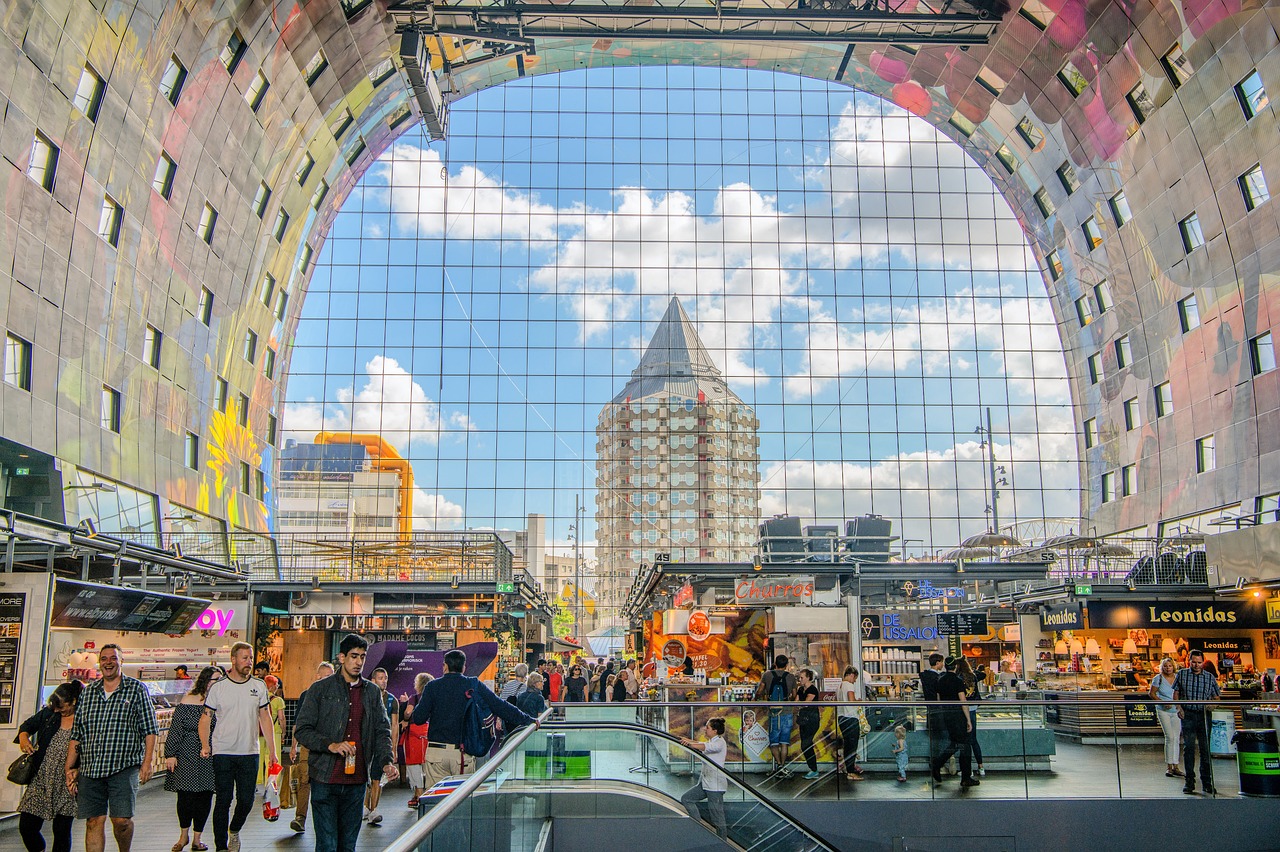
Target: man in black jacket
(955,720)
(443,707)
(343,723)
(933,715)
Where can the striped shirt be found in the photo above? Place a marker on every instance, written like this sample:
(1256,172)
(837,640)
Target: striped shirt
(1196,687)
(112,729)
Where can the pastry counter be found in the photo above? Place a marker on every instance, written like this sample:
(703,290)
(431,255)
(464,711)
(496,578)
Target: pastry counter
(1101,716)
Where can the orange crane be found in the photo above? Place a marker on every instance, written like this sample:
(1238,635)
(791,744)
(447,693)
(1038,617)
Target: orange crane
(383,457)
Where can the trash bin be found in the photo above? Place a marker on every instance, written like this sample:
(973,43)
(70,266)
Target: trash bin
(1222,726)
(1258,758)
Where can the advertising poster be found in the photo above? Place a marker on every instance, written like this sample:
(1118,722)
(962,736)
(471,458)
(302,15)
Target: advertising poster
(403,663)
(737,653)
(12,606)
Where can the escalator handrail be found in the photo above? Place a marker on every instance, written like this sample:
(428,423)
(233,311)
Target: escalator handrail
(408,842)
(652,732)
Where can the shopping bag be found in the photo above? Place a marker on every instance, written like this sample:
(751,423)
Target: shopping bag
(271,798)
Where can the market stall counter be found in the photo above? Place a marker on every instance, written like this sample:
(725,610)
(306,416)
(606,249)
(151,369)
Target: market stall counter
(1097,717)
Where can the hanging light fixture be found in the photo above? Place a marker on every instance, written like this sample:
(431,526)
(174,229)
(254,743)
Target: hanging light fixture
(1060,648)
(1130,646)
(1091,647)
(1077,647)
(1167,647)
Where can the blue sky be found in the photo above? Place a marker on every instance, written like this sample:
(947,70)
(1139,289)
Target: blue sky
(861,284)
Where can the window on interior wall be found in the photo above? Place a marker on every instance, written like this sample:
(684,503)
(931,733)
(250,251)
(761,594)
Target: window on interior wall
(260,485)
(1092,233)
(1084,311)
(245,477)
(304,259)
(341,124)
(1124,352)
(991,81)
(1038,13)
(162,181)
(1141,103)
(152,346)
(109,219)
(1267,508)
(317,197)
(303,171)
(1120,211)
(1108,486)
(356,151)
(1071,77)
(205,309)
(89,92)
(233,52)
(1262,353)
(282,303)
(110,409)
(315,67)
(43,166)
(242,411)
(1044,202)
(1128,480)
(17,362)
(268,289)
(1252,95)
(221,394)
(1132,414)
(1163,393)
(1253,186)
(260,199)
(272,424)
(382,72)
(1177,66)
(1188,313)
(1067,177)
(1206,455)
(1102,296)
(1095,368)
(1192,235)
(269,363)
(191,451)
(1090,433)
(1055,265)
(208,222)
(1032,135)
(403,114)
(1006,158)
(281,225)
(172,80)
(257,90)
(250,346)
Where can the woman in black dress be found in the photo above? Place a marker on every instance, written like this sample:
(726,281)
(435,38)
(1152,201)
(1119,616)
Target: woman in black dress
(190,775)
(47,797)
(575,686)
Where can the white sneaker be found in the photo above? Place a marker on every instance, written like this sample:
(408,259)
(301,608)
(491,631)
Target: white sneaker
(374,818)
(366,815)
(233,842)
(982,771)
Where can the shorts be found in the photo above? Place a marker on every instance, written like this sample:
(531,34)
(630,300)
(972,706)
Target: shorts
(112,796)
(780,728)
(415,776)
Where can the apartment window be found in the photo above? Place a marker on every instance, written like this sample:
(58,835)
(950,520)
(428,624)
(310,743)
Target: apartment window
(250,346)
(1267,508)
(356,151)
(403,114)
(1206,457)
(1092,233)
(269,363)
(1177,66)
(205,309)
(381,72)
(245,474)
(1192,235)
(317,197)
(1071,77)
(991,81)
(260,485)
(1095,368)
(304,260)
(44,161)
(271,429)
(1044,202)
(304,168)
(17,362)
(1090,433)
(1108,486)
(315,67)
(1262,353)
(166,169)
(257,90)
(152,345)
(282,302)
(1067,177)
(221,394)
(341,124)
(1164,399)
(110,409)
(1006,158)
(1120,211)
(1032,135)
(1128,480)
(260,199)
(1253,186)
(109,220)
(89,92)
(1132,415)
(1251,94)
(1124,352)
(281,225)
(1055,265)
(966,127)
(233,52)
(242,411)
(268,289)
(172,81)
(208,221)
(1084,311)
(1188,314)
(1102,296)
(191,451)
(1140,102)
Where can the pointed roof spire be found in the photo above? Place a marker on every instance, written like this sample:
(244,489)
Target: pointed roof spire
(675,350)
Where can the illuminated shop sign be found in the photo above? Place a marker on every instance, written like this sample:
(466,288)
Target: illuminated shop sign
(1064,616)
(215,618)
(925,590)
(758,590)
(893,630)
(1124,615)
(359,623)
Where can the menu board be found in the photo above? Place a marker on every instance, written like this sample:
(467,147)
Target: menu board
(12,607)
(962,623)
(91,606)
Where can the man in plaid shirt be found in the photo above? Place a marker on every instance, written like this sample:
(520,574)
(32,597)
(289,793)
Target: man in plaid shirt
(113,741)
(1196,684)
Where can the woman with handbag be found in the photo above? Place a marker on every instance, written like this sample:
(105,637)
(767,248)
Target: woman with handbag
(47,796)
(849,719)
(188,774)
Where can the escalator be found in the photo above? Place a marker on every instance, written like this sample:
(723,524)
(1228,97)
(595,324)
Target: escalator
(557,785)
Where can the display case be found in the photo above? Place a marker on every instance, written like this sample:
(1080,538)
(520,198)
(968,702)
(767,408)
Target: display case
(1013,735)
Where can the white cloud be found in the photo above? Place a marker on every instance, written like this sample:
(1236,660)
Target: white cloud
(435,512)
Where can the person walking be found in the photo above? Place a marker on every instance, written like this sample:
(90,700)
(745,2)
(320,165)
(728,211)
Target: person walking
(112,751)
(973,695)
(443,707)
(415,743)
(1195,684)
(515,682)
(237,709)
(933,715)
(531,702)
(298,756)
(849,721)
(1161,691)
(778,685)
(713,783)
(575,686)
(556,678)
(605,675)
(379,679)
(955,721)
(809,719)
(343,722)
(188,773)
(47,798)
(275,709)
(632,680)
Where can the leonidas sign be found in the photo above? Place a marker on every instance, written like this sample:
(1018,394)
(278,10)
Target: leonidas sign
(769,590)
(1124,615)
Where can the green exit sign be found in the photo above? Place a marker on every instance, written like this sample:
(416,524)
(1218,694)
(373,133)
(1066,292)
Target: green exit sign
(506,588)
(1082,589)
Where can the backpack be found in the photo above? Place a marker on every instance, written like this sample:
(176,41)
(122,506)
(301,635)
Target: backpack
(477,724)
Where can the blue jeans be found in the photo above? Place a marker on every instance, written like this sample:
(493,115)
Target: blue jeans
(336,812)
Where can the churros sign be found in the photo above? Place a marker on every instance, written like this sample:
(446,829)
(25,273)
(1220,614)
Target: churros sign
(766,591)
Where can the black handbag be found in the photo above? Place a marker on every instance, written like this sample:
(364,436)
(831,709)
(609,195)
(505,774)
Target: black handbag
(23,770)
